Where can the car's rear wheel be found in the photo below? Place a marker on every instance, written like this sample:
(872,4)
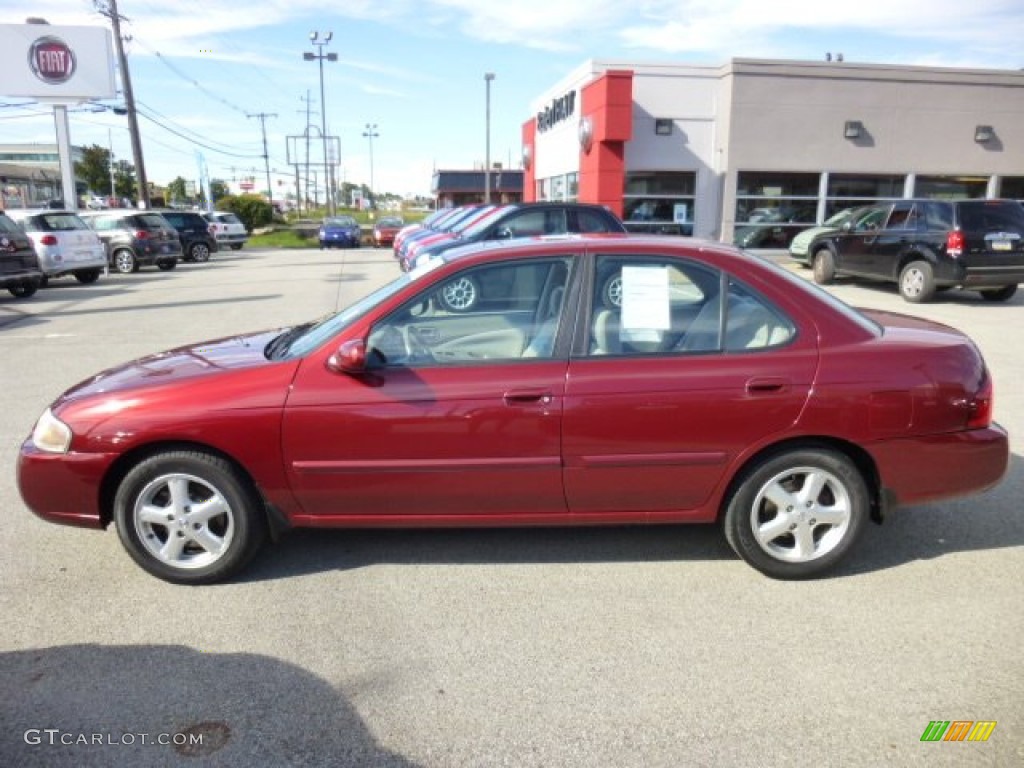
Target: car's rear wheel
(236,246)
(167,265)
(460,294)
(611,292)
(188,517)
(1005,293)
(23,290)
(824,266)
(87,276)
(917,282)
(199,252)
(796,514)
(125,262)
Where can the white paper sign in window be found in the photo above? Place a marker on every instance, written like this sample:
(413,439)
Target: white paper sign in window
(645,299)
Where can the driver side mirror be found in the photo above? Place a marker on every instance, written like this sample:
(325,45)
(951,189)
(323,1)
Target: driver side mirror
(847,226)
(350,358)
(503,234)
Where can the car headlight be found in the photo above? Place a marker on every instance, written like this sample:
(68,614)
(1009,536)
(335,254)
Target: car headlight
(51,434)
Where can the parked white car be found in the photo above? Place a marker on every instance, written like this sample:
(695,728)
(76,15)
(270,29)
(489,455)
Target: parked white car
(227,228)
(65,244)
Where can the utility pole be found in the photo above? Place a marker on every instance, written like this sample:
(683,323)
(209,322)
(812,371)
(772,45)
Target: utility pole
(266,157)
(109,9)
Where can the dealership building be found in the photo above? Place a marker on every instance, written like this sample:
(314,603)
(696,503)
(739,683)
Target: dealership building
(759,149)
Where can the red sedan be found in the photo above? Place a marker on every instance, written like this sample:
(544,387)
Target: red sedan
(590,380)
(384,231)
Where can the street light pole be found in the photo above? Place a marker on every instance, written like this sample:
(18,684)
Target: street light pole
(371,133)
(315,39)
(488,77)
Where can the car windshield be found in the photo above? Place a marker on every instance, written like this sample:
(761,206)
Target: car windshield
(340,221)
(390,223)
(151,220)
(6,225)
(479,223)
(312,336)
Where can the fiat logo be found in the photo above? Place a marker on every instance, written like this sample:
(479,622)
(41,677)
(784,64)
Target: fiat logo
(52,60)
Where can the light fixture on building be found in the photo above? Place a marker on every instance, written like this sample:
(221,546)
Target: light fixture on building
(663,126)
(527,156)
(984,133)
(853,129)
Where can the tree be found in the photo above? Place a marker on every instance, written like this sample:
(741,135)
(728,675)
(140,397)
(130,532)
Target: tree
(94,168)
(176,190)
(124,179)
(219,189)
(253,210)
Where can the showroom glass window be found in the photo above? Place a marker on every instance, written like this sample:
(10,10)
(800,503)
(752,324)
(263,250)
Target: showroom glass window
(772,207)
(951,187)
(659,306)
(659,202)
(491,313)
(1012,187)
(846,190)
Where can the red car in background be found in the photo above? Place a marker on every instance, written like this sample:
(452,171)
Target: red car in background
(384,231)
(594,380)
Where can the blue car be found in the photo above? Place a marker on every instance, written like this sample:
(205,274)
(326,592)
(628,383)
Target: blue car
(340,232)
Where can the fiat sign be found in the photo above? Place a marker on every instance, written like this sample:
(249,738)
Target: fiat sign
(51,60)
(56,64)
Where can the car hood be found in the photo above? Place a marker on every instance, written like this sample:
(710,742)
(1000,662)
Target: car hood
(804,238)
(198,362)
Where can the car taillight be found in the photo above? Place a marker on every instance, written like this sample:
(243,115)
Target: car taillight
(141,234)
(955,243)
(48,240)
(980,415)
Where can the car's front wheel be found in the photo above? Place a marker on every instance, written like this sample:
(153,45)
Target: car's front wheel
(125,262)
(199,252)
(917,282)
(1005,293)
(167,265)
(796,514)
(23,290)
(823,265)
(460,294)
(188,517)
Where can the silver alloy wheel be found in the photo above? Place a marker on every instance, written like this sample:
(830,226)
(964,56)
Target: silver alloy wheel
(613,292)
(200,252)
(124,262)
(801,514)
(183,521)
(913,282)
(460,294)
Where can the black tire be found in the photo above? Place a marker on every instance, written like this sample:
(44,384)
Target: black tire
(23,290)
(1005,293)
(171,534)
(236,246)
(460,294)
(199,252)
(43,281)
(124,262)
(167,265)
(823,263)
(87,276)
(796,542)
(917,282)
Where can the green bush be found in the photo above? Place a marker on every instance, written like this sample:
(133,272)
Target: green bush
(253,210)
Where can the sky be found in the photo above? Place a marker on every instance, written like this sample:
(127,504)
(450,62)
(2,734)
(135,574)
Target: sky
(201,69)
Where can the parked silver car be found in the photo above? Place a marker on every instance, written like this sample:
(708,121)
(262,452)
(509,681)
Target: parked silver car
(64,243)
(227,228)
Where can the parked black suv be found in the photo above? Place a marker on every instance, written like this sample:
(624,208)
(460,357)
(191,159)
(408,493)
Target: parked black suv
(516,220)
(135,238)
(928,245)
(197,242)
(20,273)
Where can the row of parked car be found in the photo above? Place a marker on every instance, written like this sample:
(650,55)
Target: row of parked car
(39,244)
(924,246)
(452,227)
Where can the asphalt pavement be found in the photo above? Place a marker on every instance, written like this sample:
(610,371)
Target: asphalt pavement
(565,647)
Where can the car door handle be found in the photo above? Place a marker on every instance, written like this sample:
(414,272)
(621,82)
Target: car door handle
(525,396)
(767,385)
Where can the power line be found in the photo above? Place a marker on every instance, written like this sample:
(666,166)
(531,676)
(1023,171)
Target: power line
(156,122)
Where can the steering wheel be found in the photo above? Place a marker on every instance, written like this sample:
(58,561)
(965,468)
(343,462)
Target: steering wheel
(416,346)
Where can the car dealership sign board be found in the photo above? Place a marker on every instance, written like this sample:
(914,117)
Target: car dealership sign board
(53,63)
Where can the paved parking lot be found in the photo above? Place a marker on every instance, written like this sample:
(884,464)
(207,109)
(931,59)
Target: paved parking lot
(582,647)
